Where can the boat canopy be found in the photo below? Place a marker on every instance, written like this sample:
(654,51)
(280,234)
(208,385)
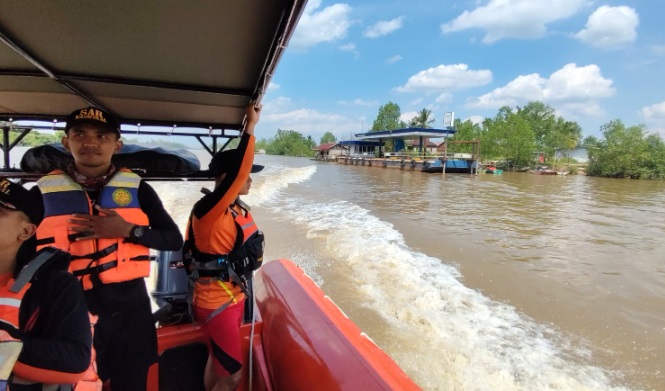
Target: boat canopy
(185,63)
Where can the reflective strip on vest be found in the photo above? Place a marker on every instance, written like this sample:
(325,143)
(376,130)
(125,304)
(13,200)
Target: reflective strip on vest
(62,196)
(245,222)
(10,303)
(57,182)
(119,194)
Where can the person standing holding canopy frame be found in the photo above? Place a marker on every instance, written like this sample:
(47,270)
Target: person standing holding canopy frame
(222,249)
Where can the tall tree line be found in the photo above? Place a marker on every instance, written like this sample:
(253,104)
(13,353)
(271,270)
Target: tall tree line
(626,152)
(520,134)
(289,143)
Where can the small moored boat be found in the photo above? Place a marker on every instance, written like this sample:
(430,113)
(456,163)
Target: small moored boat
(493,170)
(544,171)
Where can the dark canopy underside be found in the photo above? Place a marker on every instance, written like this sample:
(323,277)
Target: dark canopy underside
(191,63)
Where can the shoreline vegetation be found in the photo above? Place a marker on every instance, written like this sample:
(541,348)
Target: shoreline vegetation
(513,135)
(517,136)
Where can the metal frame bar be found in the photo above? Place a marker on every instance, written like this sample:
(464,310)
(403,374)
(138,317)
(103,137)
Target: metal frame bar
(45,69)
(7,146)
(65,78)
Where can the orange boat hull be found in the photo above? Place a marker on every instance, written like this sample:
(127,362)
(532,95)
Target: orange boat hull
(301,341)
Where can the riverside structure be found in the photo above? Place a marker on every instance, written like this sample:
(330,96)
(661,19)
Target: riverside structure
(361,151)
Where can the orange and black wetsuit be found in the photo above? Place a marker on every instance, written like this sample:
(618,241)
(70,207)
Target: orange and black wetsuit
(215,232)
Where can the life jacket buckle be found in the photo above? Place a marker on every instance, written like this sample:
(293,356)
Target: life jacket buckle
(222,262)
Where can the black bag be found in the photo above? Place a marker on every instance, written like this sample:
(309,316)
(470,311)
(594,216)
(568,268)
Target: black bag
(249,256)
(155,161)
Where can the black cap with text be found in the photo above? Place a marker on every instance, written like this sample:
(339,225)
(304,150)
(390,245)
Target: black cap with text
(15,197)
(94,116)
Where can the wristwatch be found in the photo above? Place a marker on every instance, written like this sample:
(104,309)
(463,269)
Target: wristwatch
(136,233)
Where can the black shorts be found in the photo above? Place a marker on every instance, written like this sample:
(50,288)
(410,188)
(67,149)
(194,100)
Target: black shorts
(126,346)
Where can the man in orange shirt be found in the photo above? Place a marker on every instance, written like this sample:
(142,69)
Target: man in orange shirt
(225,246)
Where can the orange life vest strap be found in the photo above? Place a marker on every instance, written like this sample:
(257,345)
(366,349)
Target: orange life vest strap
(95,269)
(98,254)
(51,240)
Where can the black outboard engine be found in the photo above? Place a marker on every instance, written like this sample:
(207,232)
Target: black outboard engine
(171,285)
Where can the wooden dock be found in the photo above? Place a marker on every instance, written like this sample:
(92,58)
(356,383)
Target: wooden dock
(409,163)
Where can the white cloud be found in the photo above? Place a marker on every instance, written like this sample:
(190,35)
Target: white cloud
(394,59)
(349,47)
(318,26)
(654,116)
(525,19)
(272,87)
(277,104)
(283,113)
(416,102)
(444,98)
(383,28)
(573,89)
(446,78)
(658,50)
(360,102)
(579,83)
(408,116)
(610,26)
(475,119)
(583,109)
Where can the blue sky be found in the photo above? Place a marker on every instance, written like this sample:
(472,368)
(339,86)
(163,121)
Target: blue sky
(592,61)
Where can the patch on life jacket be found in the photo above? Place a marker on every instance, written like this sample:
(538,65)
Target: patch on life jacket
(122,197)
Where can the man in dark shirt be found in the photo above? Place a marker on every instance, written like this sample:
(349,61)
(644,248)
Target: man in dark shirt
(51,320)
(121,217)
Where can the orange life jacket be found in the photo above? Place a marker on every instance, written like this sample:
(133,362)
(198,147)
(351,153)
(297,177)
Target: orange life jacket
(239,259)
(114,260)
(216,280)
(11,295)
(10,303)
(245,222)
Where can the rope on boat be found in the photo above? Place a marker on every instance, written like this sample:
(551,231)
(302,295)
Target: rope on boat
(251,340)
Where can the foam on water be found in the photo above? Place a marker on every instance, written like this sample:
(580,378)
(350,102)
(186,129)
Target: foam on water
(273,179)
(467,341)
(457,338)
(179,197)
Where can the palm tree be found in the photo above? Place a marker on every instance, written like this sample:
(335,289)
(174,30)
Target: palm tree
(422,120)
(568,136)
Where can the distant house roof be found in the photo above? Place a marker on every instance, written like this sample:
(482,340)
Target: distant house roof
(326,147)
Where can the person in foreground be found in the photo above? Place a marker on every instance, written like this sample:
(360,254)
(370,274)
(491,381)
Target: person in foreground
(108,219)
(41,304)
(223,247)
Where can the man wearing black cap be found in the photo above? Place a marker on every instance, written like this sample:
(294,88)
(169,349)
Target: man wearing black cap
(41,304)
(108,219)
(223,247)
